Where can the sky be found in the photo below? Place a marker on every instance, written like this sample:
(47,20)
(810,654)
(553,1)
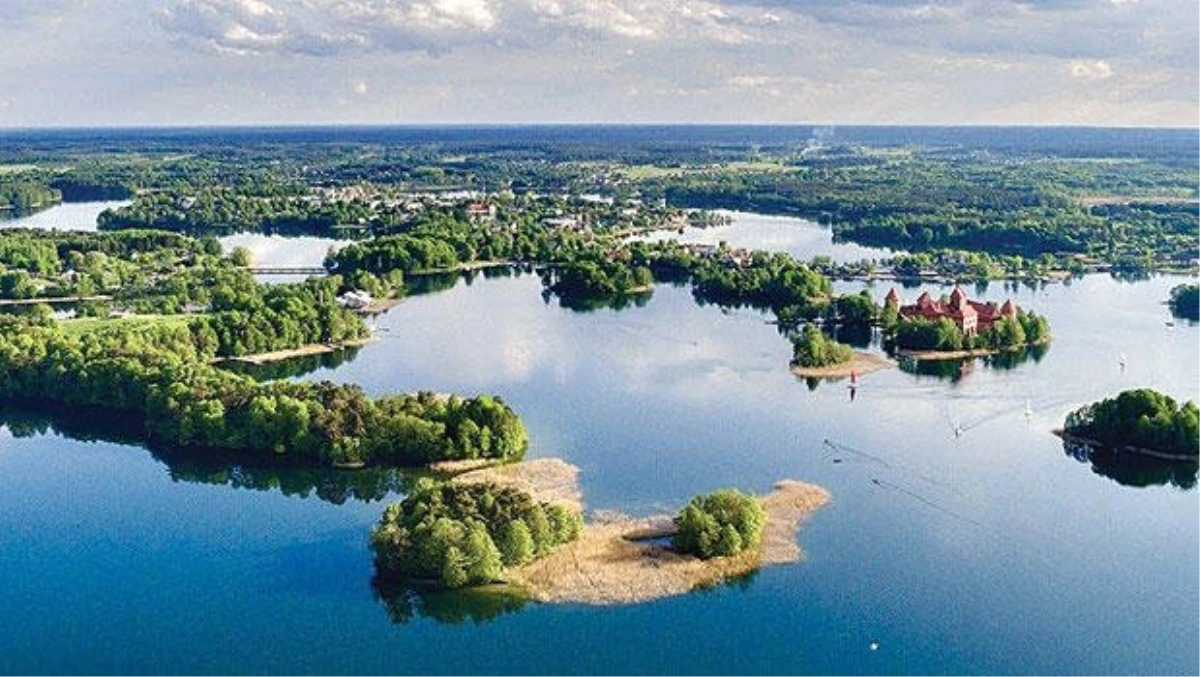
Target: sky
(193,62)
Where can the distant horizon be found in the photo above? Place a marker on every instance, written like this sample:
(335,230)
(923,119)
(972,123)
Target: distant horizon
(504,125)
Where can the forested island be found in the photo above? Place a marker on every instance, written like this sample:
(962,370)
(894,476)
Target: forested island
(1142,421)
(1185,301)
(954,326)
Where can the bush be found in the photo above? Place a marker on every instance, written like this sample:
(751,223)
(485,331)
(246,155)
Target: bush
(813,349)
(719,524)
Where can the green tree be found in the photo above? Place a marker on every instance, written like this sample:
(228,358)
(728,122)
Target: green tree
(516,543)
(484,564)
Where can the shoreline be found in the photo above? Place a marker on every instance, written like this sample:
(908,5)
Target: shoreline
(302,351)
(860,363)
(936,355)
(1140,451)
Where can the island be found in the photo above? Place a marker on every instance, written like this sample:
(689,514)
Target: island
(958,327)
(815,355)
(1142,421)
(1185,301)
(611,559)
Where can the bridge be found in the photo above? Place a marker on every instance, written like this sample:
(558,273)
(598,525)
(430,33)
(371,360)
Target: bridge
(287,270)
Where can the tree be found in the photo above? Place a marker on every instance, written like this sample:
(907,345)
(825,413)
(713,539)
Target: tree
(856,309)
(516,543)
(722,523)
(454,568)
(813,349)
(484,564)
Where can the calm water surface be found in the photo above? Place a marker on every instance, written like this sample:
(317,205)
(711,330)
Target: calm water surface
(994,552)
(801,238)
(66,216)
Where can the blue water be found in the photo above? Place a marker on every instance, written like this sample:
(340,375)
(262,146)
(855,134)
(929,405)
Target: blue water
(994,552)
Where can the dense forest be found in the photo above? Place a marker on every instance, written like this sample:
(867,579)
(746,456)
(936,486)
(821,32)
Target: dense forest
(459,535)
(19,198)
(1142,418)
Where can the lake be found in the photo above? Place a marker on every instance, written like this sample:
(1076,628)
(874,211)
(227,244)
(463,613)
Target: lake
(66,216)
(801,238)
(993,552)
(265,250)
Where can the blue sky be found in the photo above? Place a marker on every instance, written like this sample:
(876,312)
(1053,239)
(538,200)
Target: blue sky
(174,62)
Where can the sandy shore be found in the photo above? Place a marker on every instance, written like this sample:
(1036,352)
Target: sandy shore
(604,566)
(378,306)
(311,349)
(861,363)
(552,480)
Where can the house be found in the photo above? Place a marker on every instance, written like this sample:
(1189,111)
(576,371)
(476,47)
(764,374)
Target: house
(971,317)
(355,300)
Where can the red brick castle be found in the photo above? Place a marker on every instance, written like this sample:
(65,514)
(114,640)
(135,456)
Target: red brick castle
(971,317)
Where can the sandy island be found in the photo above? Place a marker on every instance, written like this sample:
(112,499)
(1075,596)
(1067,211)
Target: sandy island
(617,561)
(861,363)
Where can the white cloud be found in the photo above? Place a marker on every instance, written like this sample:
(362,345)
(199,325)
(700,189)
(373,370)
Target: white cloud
(918,61)
(328,27)
(1091,70)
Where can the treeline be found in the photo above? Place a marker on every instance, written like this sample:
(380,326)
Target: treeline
(256,318)
(1141,418)
(17,198)
(158,373)
(218,211)
(919,201)
(439,241)
(1185,301)
(792,290)
(273,473)
(458,535)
